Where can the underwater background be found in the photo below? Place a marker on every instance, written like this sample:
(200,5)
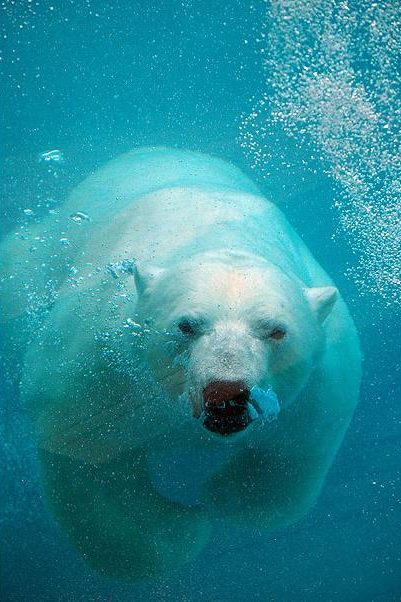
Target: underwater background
(305,97)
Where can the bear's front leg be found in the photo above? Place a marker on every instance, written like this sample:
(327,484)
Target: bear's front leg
(263,490)
(117,520)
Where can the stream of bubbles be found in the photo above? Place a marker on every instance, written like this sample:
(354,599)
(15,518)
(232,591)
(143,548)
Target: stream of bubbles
(333,78)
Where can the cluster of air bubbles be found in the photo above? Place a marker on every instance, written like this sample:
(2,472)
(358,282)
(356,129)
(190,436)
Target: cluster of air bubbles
(111,345)
(118,268)
(52,161)
(134,328)
(39,303)
(35,212)
(333,81)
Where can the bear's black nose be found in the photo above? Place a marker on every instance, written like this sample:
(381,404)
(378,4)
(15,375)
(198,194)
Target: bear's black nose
(225,404)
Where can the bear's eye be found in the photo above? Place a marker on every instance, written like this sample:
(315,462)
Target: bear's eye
(189,326)
(270,331)
(277,334)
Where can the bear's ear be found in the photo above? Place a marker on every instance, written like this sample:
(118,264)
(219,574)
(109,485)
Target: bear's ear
(145,276)
(322,299)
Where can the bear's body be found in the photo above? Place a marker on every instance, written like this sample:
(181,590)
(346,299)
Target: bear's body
(185,290)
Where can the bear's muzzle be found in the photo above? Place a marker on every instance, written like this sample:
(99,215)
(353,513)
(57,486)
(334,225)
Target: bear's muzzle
(226,407)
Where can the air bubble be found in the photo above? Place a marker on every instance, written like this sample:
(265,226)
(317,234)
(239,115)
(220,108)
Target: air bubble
(51,156)
(79,217)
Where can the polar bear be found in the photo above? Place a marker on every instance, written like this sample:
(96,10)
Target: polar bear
(171,308)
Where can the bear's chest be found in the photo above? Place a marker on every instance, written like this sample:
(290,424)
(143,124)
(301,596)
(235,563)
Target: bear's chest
(181,474)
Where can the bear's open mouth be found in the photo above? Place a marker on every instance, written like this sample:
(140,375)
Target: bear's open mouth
(225,407)
(226,417)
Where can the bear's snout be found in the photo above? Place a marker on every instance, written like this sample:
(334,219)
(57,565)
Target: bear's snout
(218,392)
(226,406)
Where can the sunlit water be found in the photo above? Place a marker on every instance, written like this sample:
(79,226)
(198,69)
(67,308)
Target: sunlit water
(305,96)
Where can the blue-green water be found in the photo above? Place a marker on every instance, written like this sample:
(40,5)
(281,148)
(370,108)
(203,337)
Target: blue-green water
(94,79)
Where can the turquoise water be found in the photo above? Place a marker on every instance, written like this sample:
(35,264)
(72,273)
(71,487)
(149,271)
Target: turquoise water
(305,98)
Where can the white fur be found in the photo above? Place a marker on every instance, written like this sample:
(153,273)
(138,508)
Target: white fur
(109,379)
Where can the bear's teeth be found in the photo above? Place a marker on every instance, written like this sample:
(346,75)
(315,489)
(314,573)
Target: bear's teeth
(213,405)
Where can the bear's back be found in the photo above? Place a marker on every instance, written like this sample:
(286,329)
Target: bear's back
(142,171)
(27,266)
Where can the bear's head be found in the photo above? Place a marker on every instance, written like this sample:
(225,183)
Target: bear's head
(225,323)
